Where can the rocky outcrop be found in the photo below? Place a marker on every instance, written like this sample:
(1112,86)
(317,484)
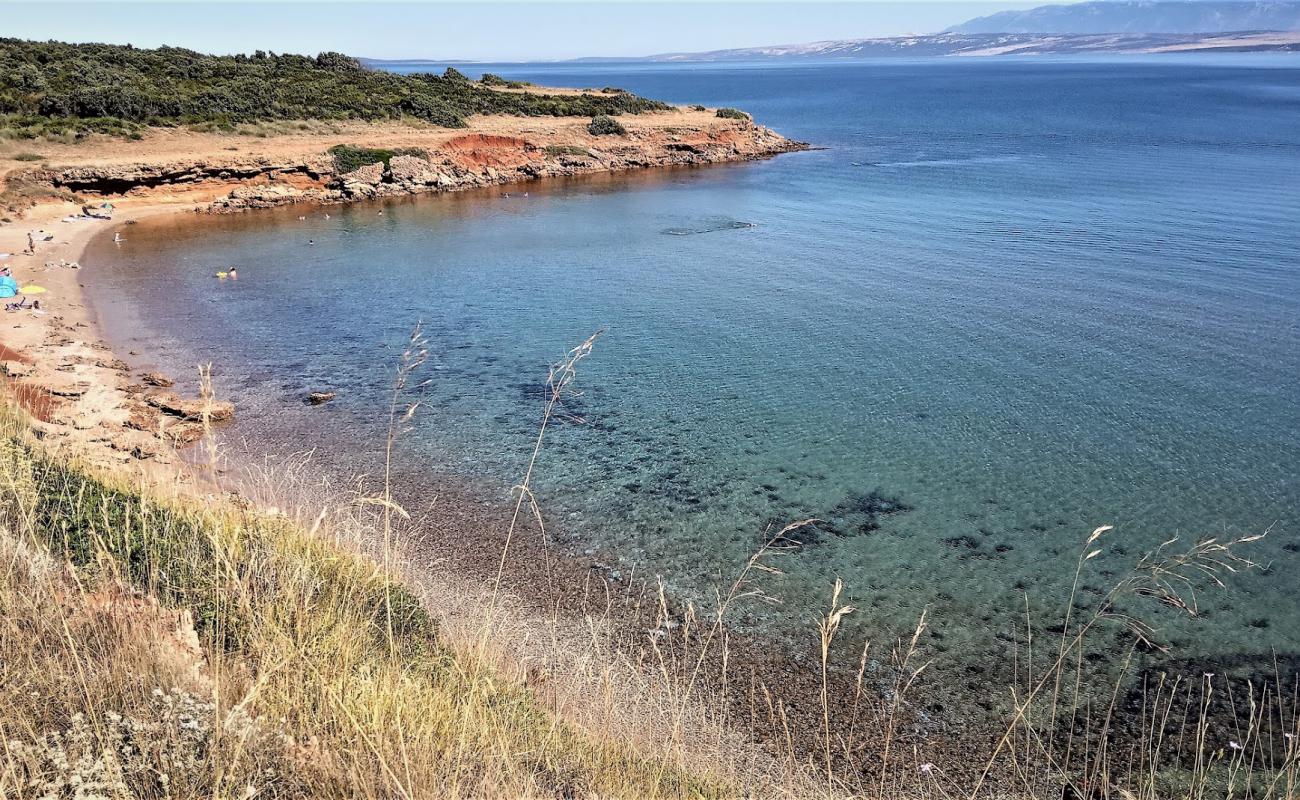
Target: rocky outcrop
(462,162)
(135,178)
(477,160)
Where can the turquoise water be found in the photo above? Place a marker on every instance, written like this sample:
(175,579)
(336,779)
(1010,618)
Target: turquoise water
(1011,301)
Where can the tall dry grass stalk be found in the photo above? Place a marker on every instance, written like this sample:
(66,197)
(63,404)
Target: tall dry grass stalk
(559,384)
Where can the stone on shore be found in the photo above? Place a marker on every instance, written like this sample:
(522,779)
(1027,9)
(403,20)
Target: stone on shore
(170,403)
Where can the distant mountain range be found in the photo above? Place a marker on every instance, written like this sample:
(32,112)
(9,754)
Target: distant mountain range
(1142,16)
(1095,27)
(995,44)
(1101,26)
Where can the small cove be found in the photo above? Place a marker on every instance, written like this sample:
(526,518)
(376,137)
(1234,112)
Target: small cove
(976,327)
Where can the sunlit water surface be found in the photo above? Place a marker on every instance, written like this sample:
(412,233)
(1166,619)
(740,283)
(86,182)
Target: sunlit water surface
(1011,301)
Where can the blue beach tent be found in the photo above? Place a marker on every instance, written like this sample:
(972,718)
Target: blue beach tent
(8,286)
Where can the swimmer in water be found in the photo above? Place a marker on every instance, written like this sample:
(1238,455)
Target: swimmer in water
(233,274)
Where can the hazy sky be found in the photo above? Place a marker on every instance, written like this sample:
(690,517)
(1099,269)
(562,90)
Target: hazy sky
(482,30)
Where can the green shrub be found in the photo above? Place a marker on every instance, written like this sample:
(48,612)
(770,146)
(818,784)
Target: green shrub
(52,89)
(698,107)
(605,125)
(566,150)
(28,157)
(350,158)
(489,79)
(732,113)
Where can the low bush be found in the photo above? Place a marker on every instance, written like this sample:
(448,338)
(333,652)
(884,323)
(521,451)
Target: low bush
(732,113)
(490,79)
(350,158)
(605,125)
(565,150)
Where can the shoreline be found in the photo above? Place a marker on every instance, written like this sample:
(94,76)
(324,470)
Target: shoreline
(87,396)
(96,413)
(556,592)
(354,161)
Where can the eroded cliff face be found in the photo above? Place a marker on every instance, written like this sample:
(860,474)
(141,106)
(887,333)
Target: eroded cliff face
(463,161)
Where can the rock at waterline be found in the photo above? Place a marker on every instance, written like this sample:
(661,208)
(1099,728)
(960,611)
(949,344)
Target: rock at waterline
(168,403)
(157,379)
(320,398)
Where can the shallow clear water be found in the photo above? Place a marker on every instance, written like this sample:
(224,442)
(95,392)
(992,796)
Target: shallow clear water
(1020,298)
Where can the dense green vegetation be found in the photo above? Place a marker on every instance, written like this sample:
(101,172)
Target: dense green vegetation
(566,150)
(492,79)
(57,88)
(605,125)
(732,113)
(348,158)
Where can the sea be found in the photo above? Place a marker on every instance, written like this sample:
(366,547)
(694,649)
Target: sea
(1005,301)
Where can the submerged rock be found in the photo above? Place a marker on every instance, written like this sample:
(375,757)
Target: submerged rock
(157,379)
(320,398)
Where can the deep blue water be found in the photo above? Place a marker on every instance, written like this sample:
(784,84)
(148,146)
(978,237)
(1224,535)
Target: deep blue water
(1022,298)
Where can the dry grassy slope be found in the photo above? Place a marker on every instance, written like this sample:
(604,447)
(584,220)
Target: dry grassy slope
(194,649)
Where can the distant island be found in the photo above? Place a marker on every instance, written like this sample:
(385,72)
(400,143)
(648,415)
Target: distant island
(1000,44)
(1142,17)
(1101,26)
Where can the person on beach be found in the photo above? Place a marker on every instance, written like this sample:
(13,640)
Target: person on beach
(31,243)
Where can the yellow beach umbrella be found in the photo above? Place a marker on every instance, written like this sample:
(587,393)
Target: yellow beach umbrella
(33,289)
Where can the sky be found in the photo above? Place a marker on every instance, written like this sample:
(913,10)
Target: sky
(486,30)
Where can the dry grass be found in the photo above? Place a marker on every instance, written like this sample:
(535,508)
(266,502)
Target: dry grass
(170,648)
(306,672)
